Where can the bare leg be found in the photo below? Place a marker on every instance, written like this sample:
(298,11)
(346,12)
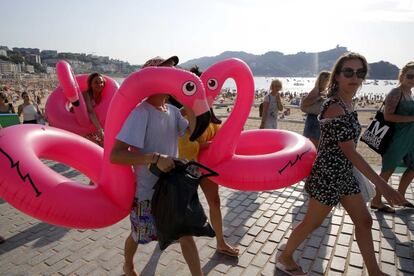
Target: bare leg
(314,217)
(376,201)
(406,179)
(210,190)
(315,142)
(130,249)
(190,253)
(359,214)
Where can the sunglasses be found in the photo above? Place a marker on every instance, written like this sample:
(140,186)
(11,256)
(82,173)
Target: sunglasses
(349,73)
(409,76)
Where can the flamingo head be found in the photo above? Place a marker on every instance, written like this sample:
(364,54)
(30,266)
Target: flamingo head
(68,82)
(214,77)
(182,85)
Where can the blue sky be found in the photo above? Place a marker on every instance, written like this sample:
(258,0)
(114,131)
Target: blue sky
(135,30)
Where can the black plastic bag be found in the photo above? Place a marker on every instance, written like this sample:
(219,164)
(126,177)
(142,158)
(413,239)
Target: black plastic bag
(175,205)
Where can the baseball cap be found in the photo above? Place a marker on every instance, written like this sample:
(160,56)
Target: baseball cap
(159,61)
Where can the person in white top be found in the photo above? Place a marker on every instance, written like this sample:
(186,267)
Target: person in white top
(30,110)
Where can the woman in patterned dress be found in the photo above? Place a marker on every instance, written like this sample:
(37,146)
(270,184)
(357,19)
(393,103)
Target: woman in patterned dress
(336,157)
(93,96)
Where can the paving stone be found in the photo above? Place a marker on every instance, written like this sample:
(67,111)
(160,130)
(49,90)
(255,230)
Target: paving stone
(338,264)
(320,266)
(258,223)
(356,260)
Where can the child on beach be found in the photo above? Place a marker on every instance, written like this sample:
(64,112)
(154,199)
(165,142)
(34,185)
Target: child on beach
(151,144)
(336,156)
(272,104)
(399,108)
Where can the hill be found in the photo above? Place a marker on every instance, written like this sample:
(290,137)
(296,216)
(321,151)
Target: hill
(301,64)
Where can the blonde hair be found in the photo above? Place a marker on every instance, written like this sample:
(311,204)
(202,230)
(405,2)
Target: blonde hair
(404,70)
(323,75)
(275,82)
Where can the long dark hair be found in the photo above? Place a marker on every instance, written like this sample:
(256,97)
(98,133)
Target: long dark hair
(96,98)
(336,70)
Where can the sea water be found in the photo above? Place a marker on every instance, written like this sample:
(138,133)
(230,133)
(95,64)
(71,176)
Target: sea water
(370,88)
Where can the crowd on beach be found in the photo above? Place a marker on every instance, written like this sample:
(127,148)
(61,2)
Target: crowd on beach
(331,124)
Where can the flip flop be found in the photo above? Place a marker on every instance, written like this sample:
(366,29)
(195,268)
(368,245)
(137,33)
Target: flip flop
(384,209)
(408,205)
(291,271)
(232,253)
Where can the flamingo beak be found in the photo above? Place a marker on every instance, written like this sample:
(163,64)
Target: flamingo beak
(202,122)
(75,103)
(214,119)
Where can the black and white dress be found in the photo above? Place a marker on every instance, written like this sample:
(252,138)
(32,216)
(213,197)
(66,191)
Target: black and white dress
(331,177)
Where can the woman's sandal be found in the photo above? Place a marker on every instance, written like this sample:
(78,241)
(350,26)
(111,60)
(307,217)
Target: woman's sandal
(291,271)
(384,209)
(407,205)
(235,252)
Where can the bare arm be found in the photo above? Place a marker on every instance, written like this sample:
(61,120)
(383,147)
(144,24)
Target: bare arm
(125,154)
(19,110)
(279,102)
(349,150)
(91,112)
(392,196)
(311,98)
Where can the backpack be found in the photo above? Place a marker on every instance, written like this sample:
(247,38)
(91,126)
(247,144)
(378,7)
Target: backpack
(261,107)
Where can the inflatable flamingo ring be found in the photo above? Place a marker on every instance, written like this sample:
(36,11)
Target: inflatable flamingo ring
(253,160)
(35,189)
(70,91)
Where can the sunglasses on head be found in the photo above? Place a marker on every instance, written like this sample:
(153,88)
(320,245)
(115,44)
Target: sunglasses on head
(409,76)
(349,72)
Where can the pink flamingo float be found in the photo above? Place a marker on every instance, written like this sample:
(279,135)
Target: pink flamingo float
(70,91)
(253,160)
(35,189)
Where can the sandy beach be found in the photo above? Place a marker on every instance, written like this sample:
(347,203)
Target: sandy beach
(295,122)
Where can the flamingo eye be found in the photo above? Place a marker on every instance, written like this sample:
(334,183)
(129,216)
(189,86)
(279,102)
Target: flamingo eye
(189,88)
(212,84)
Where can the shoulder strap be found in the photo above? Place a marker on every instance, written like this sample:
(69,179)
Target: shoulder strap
(342,104)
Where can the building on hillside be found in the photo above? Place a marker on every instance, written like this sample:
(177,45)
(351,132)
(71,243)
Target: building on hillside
(29,68)
(9,67)
(27,51)
(3,52)
(50,70)
(48,54)
(32,58)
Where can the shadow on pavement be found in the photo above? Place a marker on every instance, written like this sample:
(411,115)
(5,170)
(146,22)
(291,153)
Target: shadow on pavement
(404,249)
(152,263)
(42,232)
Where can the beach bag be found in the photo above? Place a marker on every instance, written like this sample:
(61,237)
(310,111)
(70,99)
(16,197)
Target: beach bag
(314,108)
(175,205)
(366,187)
(379,132)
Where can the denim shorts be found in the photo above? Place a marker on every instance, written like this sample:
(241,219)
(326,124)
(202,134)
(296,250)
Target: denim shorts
(312,128)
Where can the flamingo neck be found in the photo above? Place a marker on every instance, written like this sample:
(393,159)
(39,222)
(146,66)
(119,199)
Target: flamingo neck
(225,141)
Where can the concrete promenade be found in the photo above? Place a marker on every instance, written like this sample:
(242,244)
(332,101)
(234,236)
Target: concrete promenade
(259,223)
